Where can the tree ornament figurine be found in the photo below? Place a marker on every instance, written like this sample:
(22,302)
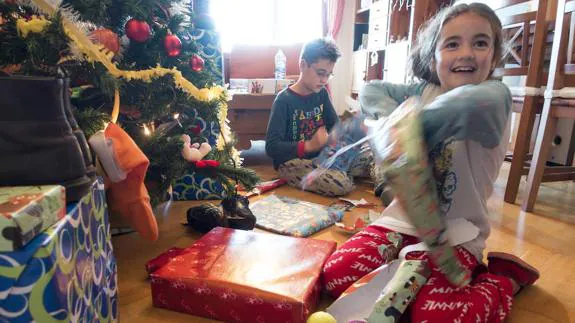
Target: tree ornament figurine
(194,152)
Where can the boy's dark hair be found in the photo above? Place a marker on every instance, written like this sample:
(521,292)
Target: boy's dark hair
(321,48)
(423,52)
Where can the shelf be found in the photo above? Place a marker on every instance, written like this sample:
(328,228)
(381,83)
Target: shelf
(362,16)
(361,11)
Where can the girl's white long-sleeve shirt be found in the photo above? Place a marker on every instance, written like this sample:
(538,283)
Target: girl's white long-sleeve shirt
(467,133)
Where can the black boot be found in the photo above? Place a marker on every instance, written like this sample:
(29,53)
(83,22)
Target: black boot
(37,146)
(234,213)
(205,217)
(78,133)
(237,212)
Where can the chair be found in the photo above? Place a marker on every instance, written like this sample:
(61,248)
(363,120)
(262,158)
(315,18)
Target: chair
(526,33)
(559,102)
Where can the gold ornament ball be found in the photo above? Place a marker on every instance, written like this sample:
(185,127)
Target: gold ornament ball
(107,38)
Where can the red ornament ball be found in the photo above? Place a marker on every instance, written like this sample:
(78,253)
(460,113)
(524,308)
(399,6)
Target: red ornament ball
(107,38)
(172,45)
(196,63)
(137,30)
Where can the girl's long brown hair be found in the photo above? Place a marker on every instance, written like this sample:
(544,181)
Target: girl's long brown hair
(423,53)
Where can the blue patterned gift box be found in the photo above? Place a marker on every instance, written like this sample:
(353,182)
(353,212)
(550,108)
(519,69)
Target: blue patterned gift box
(196,186)
(65,274)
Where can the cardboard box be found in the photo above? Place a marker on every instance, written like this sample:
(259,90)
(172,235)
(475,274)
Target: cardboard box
(241,276)
(26,211)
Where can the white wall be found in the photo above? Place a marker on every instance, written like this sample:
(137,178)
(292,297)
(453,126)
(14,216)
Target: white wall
(341,83)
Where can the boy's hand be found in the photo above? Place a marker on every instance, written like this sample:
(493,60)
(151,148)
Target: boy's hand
(318,140)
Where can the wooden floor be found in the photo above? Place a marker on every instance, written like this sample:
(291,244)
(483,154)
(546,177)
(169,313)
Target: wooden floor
(545,239)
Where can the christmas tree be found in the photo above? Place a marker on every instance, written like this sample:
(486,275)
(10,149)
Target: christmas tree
(135,61)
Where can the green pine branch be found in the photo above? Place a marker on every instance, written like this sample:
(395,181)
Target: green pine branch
(244,176)
(156,102)
(91,120)
(94,11)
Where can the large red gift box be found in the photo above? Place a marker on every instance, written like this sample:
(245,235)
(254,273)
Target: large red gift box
(241,276)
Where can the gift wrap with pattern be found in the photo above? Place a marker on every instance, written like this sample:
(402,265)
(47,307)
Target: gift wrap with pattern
(195,186)
(293,217)
(409,175)
(65,274)
(241,276)
(382,295)
(26,211)
(400,291)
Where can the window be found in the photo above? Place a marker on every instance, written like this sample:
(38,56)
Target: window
(266,22)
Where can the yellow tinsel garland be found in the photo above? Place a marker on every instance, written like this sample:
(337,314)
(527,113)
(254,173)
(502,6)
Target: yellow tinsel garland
(97,53)
(34,25)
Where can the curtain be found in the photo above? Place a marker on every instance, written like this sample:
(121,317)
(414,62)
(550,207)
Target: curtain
(332,17)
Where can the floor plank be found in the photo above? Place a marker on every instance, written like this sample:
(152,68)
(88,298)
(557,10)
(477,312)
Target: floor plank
(545,239)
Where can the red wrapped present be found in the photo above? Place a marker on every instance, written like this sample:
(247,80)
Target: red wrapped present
(241,276)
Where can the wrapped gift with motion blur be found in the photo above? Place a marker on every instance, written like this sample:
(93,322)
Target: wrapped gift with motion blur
(66,273)
(241,276)
(26,211)
(398,146)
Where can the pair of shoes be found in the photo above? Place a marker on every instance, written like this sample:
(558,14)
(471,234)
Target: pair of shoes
(233,213)
(37,142)
(511,266)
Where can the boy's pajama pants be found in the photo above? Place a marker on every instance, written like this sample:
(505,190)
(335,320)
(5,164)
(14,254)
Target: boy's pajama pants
(487,298)
(332,182)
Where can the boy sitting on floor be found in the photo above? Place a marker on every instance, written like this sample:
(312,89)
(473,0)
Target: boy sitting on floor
(301,118)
